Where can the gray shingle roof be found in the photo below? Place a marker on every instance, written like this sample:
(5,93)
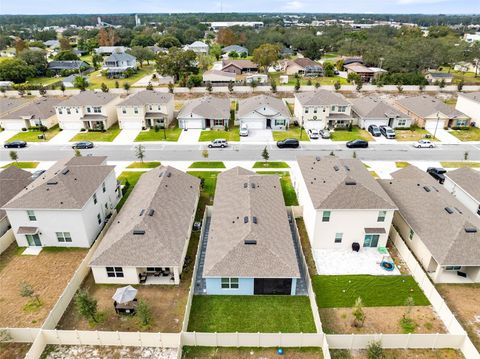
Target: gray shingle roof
(374,107)
(12,181)
(9,104)
(468,179)
(321,97)
(89,98)
(441,232)
(241,64)
(250,104)
(425,105)
(261,201)
(41,108)
(475,96)
(206,107)
(120,56)
(335,183)
(67,65)
(173,198)
(238,49)
(146,97)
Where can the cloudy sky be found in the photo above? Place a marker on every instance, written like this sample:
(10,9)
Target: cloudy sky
(166,6)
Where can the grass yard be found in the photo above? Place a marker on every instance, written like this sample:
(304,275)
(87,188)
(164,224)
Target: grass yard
(472,134)
(460,164)
(289,194)
(400,354)
(169,135)
(355,134)
(209,183)
(335,291)
(95,79)
(132,178)
(45,81)
(207,164)
(413,134)
(32,135)
(149,164)
(292,132)
(306,246)
(308,81)
(232,135)
(251,314)
(467,77)
(271,165)
(250,353)
(400,164)
(98,136)
(21,164)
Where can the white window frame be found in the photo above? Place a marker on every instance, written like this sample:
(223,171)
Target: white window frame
(31,215)
(114,272)
(64,237)
(324,216)
(338,238)
(382,216)
(229,283)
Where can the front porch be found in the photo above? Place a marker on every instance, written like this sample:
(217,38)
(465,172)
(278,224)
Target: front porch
(94,122)
(154,120)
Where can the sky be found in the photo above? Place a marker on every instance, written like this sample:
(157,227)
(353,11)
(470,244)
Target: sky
(37,7)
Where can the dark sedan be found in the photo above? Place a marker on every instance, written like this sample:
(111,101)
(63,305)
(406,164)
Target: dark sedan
(357,144)
(82,145)
(288,143)
(15,144)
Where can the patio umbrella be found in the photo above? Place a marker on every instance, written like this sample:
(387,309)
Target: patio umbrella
(125,294)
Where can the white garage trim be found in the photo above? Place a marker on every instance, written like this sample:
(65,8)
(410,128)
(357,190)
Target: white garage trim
(254,123)
(15,125)
(365,123)
(192,123)
(71,125)
(130,125)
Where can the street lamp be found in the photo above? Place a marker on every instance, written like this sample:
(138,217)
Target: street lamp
(436,125)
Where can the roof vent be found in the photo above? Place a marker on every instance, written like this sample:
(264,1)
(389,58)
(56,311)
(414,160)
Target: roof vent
(245,185)
(253,185)
(250,241)
(151,212)
(254,219)
(449,210)
(161,174)
(336,168)
(456,208)
(169,174)
(318,158)
(426,188)
(245,219)
(471,229)
(138,232)
(142,212)
(350,182)
(65,171)
(347,168)
(51,183)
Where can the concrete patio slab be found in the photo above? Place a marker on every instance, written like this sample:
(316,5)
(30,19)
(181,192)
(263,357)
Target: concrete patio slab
(32,251)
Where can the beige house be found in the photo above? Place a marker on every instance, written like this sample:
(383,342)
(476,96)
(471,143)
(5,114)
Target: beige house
(206,112)
(263,112)
(239,66)
(218,77)
(372,110)
(88,110)
(302,66)
(146,109)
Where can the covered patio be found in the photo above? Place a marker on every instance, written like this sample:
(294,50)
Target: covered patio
(94,122)
(158,275)
(153,119)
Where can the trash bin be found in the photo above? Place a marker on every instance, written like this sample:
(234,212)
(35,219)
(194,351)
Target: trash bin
(41,137)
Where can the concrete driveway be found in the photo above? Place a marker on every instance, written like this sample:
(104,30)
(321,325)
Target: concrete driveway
(190,136)
(5,135)
(444,136)
(264,136)
(63,136)
(126,136)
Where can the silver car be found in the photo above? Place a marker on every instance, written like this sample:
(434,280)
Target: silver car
(218,143)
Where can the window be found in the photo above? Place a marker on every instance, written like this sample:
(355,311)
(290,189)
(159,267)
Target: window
(381,216)
(279,122)
(76,109)
(229,283)
(124,110)
(218,122)
(410,235)
(315,110)
(342,108)
(402,123)
(97,110)
(113,272)
(103,187)
(338,237)
(68,111)
(89,109)
(453,268)
(63,236)
(99,218)
(135,110)
(150,108)
(94,198)
(31,215)
(461,123)
(306,110)
(60,111)
(333,108)
(371,240)
(326,216)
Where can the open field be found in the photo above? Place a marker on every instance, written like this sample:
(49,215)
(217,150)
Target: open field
(95,79)
(250,353)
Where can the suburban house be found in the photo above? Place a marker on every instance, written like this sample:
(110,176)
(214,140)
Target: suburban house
(67,206)
(365,73)
(74,65)
(250,248)
(69,81)
(117,63)
(464,184)
(347,60)
(145,109)
(469,104)
(302,66)
(435,77)
(36,113)
(239,66)
(436,226)
(257,78)
(372,110)
(342,203)
(53,44)
(148,240)
(263,112)
(199,47)
(218,77)
(12,181)
(205,112)
(430,113)
(108,50)
(239,50)
(321,109)
(89,110)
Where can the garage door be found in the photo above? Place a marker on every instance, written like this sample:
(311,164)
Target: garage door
(365,123)
(192,123)
(432,124)
(14,125)
(70,125)
(130,125)
(272,286)
(254,124)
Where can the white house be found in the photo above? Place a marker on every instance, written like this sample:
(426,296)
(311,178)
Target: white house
(218,77)
(198,47)
(258,78)
(108,50)
(342,203)
(148,240)
(372,110)
(471,38)
(205,113)
(435,77)
(321,109)
(464,184)
(263,112)
(146,109)
(89,110)
(67,206)
(117,63)
(440,231)
(469,104)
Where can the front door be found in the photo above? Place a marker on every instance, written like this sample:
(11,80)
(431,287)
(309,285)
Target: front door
(371,240)
(33,240)
(269,123)
(207,123)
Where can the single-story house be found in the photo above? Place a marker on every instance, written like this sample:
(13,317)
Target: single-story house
(204,112)
(464,184)
(372,110)
(6,85)
(199,47)
(239,66)
(435,77)
(53,44)
(258,78)
(74,65)
(148,240)
(250,248)
(108,50)
(69,81)
(302,66)
(469,104)
(347,60)
(365,73)
(218,77)
(263,112)
(235,48)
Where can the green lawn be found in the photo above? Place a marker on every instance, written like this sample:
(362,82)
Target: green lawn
(472,134)
(400,164)
(355,134)
(292,132)
(232,135)
(271,165)
(32,135)
(337,291)
(207,164)
(132,178)
(169,134)
(460,164)
(413,134)
(249,352)
(22,164)
(209,182)
(304,81)
(95,79)
(289,194)
(106,136)
(41,81)
(251,314)
(467,77)
(147,164)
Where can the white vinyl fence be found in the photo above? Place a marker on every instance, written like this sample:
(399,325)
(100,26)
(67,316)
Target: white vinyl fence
(5,240)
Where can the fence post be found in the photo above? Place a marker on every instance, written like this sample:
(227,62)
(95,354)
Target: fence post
(407,345)
(139,338)
(216,339)
(351,342)
(238,339)
(98,337)
(195,338)
(434,346)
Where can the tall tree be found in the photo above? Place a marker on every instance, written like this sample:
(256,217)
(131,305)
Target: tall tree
(15,70)
(65,44)
(226,36)
(20,45)
(176,63)
(266,55)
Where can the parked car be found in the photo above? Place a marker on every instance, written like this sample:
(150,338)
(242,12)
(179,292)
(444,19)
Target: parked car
(15,144)
(313,133)
(82,145)
(37,174)
(218,143)
(374,130)
(288,143)
(424,144)
(438,173)
(244,130)
(325,134)
(357,144)
(387,132)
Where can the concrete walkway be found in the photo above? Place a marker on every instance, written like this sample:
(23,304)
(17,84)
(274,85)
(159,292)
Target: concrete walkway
(126,137)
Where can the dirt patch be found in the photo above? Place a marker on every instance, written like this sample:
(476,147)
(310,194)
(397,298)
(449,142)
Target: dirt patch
(48,274)
(250,353)
(400,354)
(397,258)
(88,351)
(380,320)
(462,299)
(14,350)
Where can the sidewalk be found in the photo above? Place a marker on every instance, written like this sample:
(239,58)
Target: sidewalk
(5,135)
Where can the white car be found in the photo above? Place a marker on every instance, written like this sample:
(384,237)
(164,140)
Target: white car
(313,133)
(244,130)
(424,144)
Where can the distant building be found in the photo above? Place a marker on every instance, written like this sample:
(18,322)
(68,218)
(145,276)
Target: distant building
(108,50)
(198,47)
(303,66)
(117,63)
(239,66)
(235,48)
(471,38)
(74,65)
(218,77)
(217,25)
(434,77)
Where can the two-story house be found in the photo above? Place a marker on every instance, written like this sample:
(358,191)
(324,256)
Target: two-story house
(199,47)
(67,206)
(89,110)
(263,112)
(146,109)
(322,109)
(117,63)
(469,104)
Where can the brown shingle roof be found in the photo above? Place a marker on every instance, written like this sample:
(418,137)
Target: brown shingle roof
(468,179)
(250,104)
(12,181)
(206,107)
(89,98)
(321,97)
(41,108)
(146,97)
(425,105)
(241,64)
